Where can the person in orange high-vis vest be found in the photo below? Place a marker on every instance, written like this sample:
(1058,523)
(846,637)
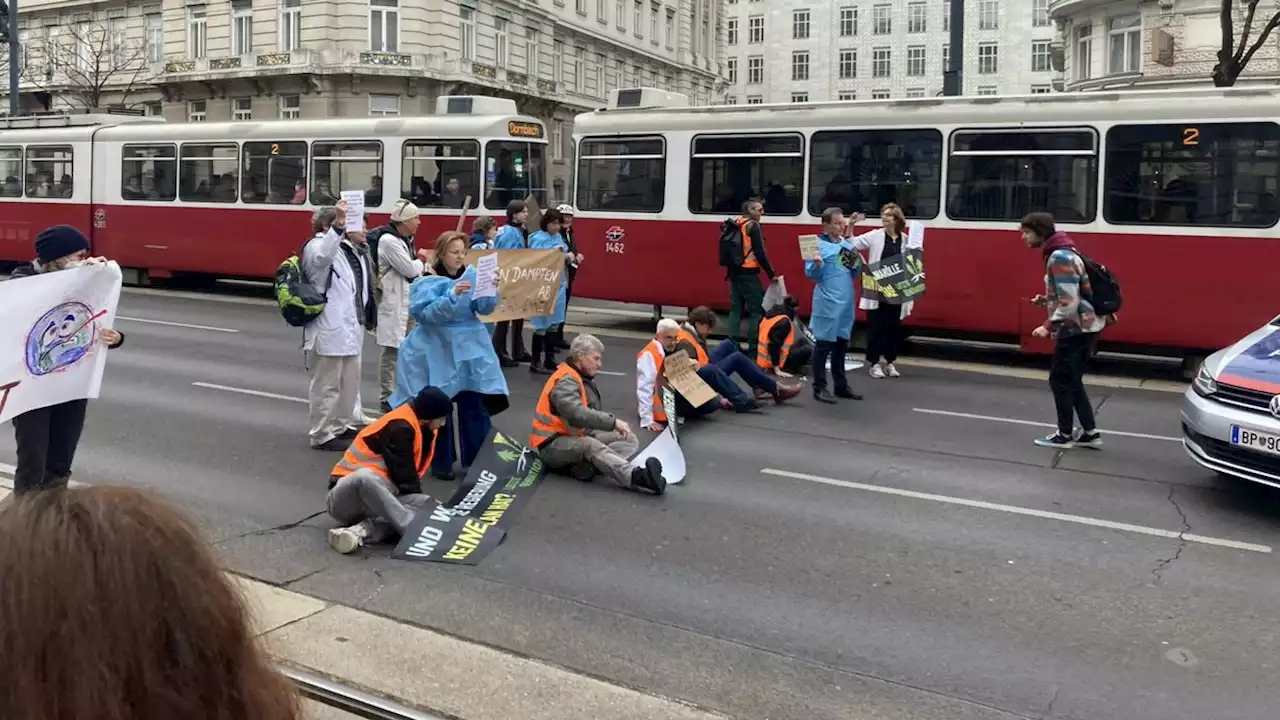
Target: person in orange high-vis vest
(649,377)
(778,349)
(377,485)
(745,290)
(573,435)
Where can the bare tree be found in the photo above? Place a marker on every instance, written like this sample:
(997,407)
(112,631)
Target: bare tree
(88,62)
(1235,55)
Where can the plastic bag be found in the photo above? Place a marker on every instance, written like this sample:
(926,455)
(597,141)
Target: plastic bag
(774,295)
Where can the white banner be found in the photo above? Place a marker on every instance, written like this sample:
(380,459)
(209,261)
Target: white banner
(666,448)
(50,347)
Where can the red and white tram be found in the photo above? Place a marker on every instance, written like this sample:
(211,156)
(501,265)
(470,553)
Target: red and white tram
(1174,190)
(234,199)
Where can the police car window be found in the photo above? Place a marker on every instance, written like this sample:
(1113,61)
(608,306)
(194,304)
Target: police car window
(441,173)
(1003,175)
(1208,174)
(149,173)
(727,170)
(622,174)
(209,173)
(50,171)
(864,170)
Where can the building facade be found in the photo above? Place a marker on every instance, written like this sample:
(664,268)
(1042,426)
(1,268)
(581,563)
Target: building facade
(198,61)
(1109,44)
(803,50)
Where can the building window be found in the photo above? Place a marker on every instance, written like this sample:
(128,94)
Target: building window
(946,57)
(1041,89)
(880,94)
(915,60)
(580,70)
(755,100)
(1040,57)
(622,174)
(556,140)
(467,33)
(241,27)
(384,106)
(1084,52)
(196,111)
(501,42)
(731,30)
(534,43)
(915,92)
(558,60)
(743,163)
(384,25)
(620,10)
(946,16)
(847,96)
(155,37)
(917,14)
(1040,13)
(755,69)
(989,14)
(800,24)
(848,21)
(197,32)
(755,29)
(881,62)
(730,100)
(580,6)
(881,19)
(731,65)
(290,25)
(1125,43)
(242,109)
(800,65)
(637,17)
(802,97)
(654,11)
(671,29)
(988,58)
(154,109)
(290,107)
(119,49)
(602,10)
(848,65)
(988,90)
(999,175)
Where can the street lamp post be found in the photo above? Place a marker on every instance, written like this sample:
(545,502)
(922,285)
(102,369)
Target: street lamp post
(953,75)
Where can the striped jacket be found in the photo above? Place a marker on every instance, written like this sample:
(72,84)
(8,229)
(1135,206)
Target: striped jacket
(1066,287)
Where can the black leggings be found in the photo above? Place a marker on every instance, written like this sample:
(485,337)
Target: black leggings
(47,439)
(1066,380)
(884,332)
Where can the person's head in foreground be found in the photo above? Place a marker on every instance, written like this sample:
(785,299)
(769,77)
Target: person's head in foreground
(586,353)
(112,607)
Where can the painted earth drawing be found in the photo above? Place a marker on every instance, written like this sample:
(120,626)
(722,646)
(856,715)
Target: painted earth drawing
(61,338)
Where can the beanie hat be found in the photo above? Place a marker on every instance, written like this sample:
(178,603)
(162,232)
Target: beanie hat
(432,403)
(404,211)
(59,241)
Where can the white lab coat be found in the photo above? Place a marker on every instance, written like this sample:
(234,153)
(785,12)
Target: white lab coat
(397,269)
(646,377)
(873,243)
(339,330)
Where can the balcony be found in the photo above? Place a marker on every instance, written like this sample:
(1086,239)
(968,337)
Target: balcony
(1066,9)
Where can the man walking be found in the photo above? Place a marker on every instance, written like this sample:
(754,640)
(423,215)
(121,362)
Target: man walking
(744,281)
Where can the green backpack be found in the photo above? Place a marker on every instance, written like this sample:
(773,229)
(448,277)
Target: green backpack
(300,301)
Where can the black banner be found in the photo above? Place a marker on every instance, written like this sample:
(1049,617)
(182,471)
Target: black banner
(895,280)
(476,519)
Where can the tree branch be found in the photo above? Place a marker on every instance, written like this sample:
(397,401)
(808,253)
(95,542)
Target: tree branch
(92,66)
(1244,32)
(1275,22)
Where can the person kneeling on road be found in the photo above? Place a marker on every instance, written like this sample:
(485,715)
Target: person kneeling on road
(377,486)
(777,349)
(650,381)
(727,358)
(571,432)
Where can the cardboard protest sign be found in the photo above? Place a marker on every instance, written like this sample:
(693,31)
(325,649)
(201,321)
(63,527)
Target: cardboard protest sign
(462,219)
(51,349)
(535,212)
(682,373)
(897,279)
(476,519)
(528,282)
(808,246)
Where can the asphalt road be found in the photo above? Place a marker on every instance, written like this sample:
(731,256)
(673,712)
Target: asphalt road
(912,556)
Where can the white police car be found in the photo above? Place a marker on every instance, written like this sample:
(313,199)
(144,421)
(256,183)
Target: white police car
(1231,413)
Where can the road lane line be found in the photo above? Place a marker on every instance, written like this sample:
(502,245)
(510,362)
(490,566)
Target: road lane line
(614,373)
(990,418)
(269,395)
(176,324)
(1015,510)
(7,469)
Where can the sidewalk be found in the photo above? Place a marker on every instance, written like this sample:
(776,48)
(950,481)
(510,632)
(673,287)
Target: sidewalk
(448,676)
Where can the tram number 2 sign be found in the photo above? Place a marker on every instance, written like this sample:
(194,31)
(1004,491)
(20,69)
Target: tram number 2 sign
(613,240)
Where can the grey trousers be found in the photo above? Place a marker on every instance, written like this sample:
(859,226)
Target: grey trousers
(335,382)
(363,495)
(387,372)
(609,452)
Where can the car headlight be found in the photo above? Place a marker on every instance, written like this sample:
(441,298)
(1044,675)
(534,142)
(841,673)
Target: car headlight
(1204,383)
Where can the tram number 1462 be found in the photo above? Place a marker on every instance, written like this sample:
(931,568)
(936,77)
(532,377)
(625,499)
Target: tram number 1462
(613,240)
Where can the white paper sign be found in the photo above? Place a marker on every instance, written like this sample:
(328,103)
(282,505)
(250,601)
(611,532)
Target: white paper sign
(486,277)
(51,350)
(774,294)
(666,448)
(355,209)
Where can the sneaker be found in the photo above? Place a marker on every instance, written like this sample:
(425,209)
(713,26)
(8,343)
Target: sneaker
(891,371)
(1056,440)
(1091,440)
(824,396)
(347,540)
(338,444)
(349,434)
(877,372)
(786,392)
(847,394)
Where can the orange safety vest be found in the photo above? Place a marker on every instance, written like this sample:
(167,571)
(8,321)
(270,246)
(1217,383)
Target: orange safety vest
(749,261)
(654,350)
(547,425)
(359,456)
(683,335)
(762,343)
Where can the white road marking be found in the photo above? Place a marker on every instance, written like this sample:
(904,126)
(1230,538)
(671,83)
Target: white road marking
(176,324)
(989,418)
(269,395)
(1015,510)
(611,372)
(7,469)
(209,297)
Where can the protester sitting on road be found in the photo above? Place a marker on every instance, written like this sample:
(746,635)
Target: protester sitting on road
(573,434)
(650,381)
(449,348)
(834,272)
(727,357)
(776,349)
(47,437)
(113,606)
(377,485)
(398,266)
(545,326)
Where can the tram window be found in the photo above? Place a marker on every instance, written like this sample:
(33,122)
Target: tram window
(148,172)
(210,173)
(49,171)
(625,174)
(274,173)
(1215,174)
(864,170)
(346,166)
(514,170)
(728,170)
(1003,175)
(11,171)
(441,173)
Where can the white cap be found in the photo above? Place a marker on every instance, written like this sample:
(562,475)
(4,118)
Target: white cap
(404,211)
(565,209)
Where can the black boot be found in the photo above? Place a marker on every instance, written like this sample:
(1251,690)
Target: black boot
(549,351)
(500,345)
(536,366)
(518,353)
(560,343)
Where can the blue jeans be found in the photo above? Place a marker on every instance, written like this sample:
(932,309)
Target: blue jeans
(730,359)
(473,430)
(720,381)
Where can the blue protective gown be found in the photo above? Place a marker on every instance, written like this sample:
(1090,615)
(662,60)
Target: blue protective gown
(448,347)
(510,237)
(542,240)
(834,292)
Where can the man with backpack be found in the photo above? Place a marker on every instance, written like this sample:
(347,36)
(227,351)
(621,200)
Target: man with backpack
(743,256)
(1081,298)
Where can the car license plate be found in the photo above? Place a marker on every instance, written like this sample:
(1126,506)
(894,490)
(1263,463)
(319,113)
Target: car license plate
(1254,440)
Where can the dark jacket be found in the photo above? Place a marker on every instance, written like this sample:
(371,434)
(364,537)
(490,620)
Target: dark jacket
(756,234)
(32,269)
(394,443)
(353,253)
(571,266)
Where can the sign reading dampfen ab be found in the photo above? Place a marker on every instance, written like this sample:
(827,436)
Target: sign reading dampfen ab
(477,518)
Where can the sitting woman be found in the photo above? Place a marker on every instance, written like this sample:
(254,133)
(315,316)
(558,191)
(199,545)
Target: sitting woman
(544,346)
(450,348)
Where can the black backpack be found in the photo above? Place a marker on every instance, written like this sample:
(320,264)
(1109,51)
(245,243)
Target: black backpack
(731,253)
(1105,297)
